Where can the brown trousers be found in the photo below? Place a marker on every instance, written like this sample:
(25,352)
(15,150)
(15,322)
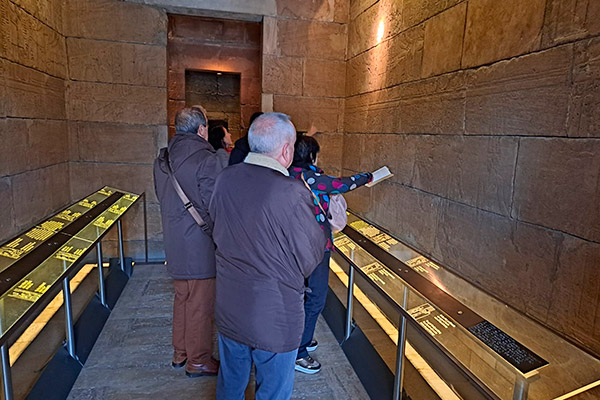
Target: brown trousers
(193,312)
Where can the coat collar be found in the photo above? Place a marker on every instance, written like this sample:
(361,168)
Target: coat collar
(265,161)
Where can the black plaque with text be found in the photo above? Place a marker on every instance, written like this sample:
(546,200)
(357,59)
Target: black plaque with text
(512,351)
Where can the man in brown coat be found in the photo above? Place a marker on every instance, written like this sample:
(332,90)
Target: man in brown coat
(190,251)
(268,243)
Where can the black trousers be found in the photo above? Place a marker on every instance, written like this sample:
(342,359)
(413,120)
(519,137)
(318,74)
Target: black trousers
(314,302)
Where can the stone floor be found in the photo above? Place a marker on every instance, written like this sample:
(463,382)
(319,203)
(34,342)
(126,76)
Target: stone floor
(131,359)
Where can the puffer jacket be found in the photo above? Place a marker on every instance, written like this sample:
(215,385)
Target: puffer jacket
(190,252)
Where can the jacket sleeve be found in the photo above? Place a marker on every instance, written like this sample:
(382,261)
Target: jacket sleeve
(322,183)
(205,178)
(309,240)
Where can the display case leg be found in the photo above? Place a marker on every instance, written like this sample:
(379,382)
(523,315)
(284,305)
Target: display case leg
(101,289)
(69,319)
(521,389)
(400,350)
(349,303)
(6,375)
(121,250)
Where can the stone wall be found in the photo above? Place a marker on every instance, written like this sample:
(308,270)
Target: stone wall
(116,106)
(487,113)
(304,51)
(219,45)
(34,169)
(219,94)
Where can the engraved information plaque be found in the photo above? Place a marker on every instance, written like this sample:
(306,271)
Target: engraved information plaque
(512,351)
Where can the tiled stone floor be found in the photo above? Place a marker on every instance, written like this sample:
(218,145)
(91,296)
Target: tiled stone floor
(131,359)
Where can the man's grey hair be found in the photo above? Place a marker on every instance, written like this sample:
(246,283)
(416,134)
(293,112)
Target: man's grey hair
(269,132)
(189,119)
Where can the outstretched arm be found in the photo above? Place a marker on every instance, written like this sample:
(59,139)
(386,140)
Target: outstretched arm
(335,185)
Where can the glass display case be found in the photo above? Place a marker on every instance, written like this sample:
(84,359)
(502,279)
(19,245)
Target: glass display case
(36,264)
(36,260)
(489,355)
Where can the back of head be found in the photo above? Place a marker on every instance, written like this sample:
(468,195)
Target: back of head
(215,136)
(254,116)
(189,119)
(305,151)
(270,132)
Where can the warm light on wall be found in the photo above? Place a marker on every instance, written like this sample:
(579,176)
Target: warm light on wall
(380,31)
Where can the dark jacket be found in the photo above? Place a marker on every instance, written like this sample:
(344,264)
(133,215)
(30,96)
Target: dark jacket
(223,157)
(190,252)
(323,186)
(267,244)
(240,151)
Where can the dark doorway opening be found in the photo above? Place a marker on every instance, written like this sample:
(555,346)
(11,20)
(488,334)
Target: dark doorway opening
(219,94)
(215,63)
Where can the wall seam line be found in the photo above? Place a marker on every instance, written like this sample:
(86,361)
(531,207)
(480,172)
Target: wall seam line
(37,19)
(487,211)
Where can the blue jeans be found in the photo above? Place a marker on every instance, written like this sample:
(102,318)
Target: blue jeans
(314,302)
(274,371)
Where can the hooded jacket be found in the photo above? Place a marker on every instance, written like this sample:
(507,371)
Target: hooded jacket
(190,252)
(267,244)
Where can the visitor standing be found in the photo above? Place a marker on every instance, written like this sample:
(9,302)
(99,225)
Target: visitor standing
(267,245)
(189,248)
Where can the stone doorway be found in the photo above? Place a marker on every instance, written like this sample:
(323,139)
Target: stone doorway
(215,63)
(219,94)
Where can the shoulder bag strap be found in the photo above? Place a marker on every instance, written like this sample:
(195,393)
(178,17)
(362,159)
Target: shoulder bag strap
(313,193)
(186,201)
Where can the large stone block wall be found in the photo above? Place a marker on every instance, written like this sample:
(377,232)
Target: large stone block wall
(116,105)
(217,45)
(304,52)
(219,94)
(34,168)
(487,113)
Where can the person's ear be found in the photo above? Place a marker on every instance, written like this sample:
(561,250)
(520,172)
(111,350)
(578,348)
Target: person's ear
(203,132)
(287,155)
(285,151)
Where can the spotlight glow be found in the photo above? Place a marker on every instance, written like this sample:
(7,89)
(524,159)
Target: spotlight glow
(380,31)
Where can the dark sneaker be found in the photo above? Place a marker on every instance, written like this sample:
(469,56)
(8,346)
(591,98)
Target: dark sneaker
(312,346)
(179,359)
(308,365)
(211,368)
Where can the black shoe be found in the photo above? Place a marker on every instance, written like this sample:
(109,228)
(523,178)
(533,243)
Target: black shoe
(307,365)
(312,346)
(179,360)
